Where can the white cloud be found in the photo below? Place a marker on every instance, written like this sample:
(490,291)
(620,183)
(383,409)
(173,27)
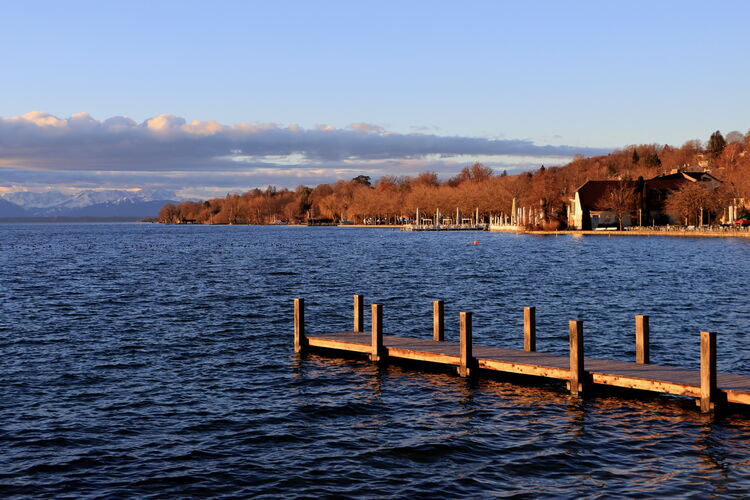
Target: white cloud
(40,119)
(167,150)
(367,128)
(165,123)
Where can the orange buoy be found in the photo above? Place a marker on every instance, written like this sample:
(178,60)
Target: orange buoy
(476,242)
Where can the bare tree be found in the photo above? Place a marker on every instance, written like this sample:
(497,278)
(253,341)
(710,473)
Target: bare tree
(691,201)
(232,208)
(621,199)
(168,214)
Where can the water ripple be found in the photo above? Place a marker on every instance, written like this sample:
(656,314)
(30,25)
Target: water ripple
(144,361)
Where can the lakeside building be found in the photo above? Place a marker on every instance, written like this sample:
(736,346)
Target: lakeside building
(597,204)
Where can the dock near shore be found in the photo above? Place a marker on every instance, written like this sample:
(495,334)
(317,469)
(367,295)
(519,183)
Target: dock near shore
(444,227)
(711,389)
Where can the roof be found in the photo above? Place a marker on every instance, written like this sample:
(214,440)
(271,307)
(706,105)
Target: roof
(594,194)
(676,180)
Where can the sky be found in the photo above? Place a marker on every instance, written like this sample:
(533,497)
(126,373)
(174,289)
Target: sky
(210,97)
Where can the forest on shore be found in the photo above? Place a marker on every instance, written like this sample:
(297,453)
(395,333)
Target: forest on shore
(390,199)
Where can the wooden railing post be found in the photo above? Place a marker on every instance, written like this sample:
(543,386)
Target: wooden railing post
(300,341)
(529,329)
(642,350)
(467,359)
(438,320)
(377,333)
(576,357)
(359,313)
(708,371)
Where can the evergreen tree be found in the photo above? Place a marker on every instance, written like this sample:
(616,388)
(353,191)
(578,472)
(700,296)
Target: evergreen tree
(716,144)
(363,179)
(653,160)
(636,158)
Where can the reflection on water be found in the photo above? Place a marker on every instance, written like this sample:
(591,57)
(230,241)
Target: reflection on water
(551,442)
(156,361)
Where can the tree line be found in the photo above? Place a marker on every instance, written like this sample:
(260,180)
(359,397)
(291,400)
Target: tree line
(390,199)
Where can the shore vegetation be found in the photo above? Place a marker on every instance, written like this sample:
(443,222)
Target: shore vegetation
(394,199)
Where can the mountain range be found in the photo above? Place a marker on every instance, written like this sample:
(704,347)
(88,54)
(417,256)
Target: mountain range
(86,204)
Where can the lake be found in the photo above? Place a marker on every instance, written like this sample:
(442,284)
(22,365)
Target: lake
(151,361)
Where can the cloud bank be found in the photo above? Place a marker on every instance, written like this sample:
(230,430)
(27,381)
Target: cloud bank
(168,149)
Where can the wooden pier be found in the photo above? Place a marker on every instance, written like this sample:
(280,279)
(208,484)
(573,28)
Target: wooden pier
(444,227)
(706,385)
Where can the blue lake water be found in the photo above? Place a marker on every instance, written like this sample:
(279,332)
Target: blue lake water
(152,361)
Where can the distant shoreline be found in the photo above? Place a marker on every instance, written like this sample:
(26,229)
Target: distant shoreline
(68,219)
(678,233)
(673,233)
(372,226)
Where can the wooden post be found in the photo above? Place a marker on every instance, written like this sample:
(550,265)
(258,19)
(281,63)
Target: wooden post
(467,360)
(359,314)
(576,357)
(708,371)
(300,341)
(438,321)
(377,332)
(529,329)
(642,350)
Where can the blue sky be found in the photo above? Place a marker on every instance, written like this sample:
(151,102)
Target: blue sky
(585,76)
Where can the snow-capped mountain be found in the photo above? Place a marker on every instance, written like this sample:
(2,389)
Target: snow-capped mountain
(86,203)
(9,209)
(29,199)
(90,198)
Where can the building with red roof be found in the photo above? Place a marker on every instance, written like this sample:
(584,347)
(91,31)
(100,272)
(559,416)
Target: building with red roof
(600,204)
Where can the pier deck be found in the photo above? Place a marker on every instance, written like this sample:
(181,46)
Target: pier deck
(444,227)
(706,385)
(630,375)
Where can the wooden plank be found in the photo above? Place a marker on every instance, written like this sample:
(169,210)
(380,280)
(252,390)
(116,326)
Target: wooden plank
(346,337)
(576,357)
(416,355)
(642,334)
(529,329)
(377,333)
(646,377)
(438,320)
(737,397)
(467,363)
(338,344)
(429,346)
(728,381)
(523,369)
(300,341)
(708,371)
(543,360)
(651,385)
(647,372)
(359,313)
